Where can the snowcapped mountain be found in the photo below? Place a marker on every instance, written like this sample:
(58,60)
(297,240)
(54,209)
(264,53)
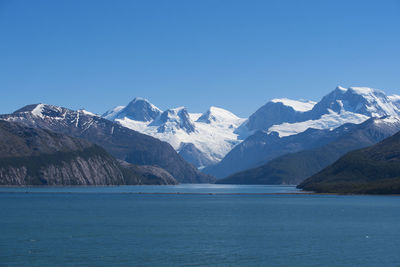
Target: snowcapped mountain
(351,105)
(172,120)
(275,112)
(201,139)
(282,118)
(138,109)
(362,100)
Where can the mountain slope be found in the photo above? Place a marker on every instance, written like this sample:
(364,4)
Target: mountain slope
(294,168)
(262,147)
(121,142)
(145,175)
(192,154)
(372,170)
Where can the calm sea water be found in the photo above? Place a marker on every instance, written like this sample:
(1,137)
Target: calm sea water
(103,226)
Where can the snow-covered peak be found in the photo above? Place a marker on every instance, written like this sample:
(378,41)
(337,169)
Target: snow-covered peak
(140,99)
(173,114)
(297,105)
(372,102)
(362,100)
(174,119)
(218,115)
(365,91)
(139,109)
(144,102)
(276,111)
(42,110)
(354,104)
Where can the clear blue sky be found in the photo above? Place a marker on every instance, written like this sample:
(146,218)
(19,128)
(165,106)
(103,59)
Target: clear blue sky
(196,53)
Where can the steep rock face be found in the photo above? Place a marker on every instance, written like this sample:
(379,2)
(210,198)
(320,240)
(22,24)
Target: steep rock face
(146,175)
(40,157)
(121,142)
(371,170)
(193,155)
(295,167)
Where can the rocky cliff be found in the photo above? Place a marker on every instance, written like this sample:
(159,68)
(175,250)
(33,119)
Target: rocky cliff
(40,157)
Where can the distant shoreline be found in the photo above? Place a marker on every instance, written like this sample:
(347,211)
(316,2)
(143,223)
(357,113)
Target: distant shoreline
(201,194)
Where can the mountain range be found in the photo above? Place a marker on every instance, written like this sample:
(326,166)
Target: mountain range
(303,129)
(220,143)
(283,142)
(122,143)
(202,139)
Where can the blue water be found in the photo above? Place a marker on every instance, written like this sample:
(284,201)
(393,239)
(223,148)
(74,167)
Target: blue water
(98,226)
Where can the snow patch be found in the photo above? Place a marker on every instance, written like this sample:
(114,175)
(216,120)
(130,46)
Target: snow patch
(38,111)
(298,105)
(110,114)
(87,112)
(327,121)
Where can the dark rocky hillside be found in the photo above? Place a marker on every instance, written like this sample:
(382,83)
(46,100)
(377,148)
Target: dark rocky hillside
(39,157)
(31,156)
(372,170)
